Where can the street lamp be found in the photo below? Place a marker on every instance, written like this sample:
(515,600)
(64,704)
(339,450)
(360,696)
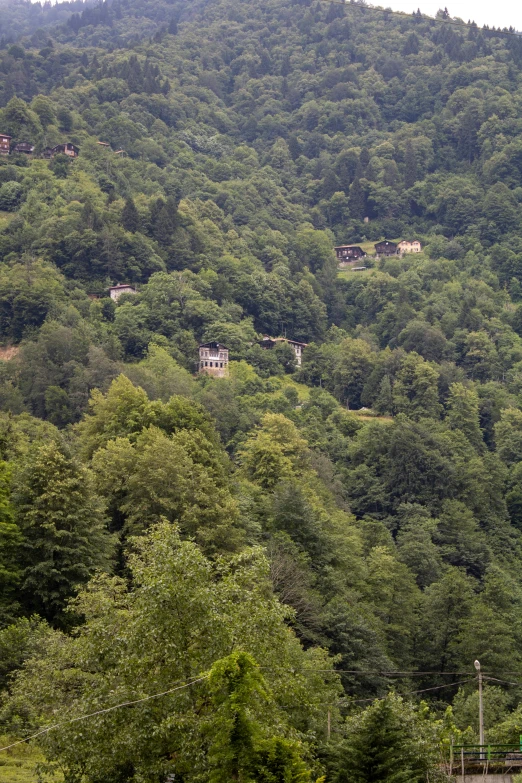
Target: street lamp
(481,711)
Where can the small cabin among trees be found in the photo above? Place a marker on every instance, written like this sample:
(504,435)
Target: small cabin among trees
(349,252)
(298,348)
(66,149)
(5,144)
(116,291)
(213,359)
(23,148)
(386,248)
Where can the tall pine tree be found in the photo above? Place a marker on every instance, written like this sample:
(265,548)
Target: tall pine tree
(388,743)
(10,544)
(410,165)
(357,200)
(130,218)
(63,525)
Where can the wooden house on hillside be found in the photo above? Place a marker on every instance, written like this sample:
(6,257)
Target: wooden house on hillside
(298,348)
(5,144)
(23,148)
(66,149)
(349,252)
(386,248)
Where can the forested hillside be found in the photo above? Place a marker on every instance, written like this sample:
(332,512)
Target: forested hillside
(290,558)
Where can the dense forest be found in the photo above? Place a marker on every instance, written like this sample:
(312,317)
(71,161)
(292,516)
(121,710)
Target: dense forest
(285,574)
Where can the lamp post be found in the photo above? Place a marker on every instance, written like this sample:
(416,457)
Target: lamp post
(481,711)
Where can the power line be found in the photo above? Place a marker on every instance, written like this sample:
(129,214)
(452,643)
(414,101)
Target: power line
(504,682)
(314,671)
(425,18)
(364,672)
(101,712)
(400,674)
(424,690)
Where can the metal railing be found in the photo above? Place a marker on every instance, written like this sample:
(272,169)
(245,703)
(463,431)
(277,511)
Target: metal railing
(494,754)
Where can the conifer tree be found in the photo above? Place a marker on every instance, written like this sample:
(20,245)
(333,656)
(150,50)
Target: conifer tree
(239,751)
(10,543)
(364,158)
(130,218)
(463,413)
(357,200)
(388,743)
(62,522)
(294,146)
(384,402)
(330,184)
(410,165)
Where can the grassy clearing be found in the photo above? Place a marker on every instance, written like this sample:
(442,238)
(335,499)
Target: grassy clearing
(371,417)
(348,272)
(368,247)
(18,765)
(302,390)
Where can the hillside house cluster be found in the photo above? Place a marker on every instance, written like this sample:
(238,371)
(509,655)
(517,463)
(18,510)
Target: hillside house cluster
(213,356)
(386,248)
(27,148)
(298,348)
(69,149)
(213,359)
(348,254)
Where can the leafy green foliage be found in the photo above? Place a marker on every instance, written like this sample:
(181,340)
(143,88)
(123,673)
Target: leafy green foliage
(179,624)
(222,157)
(10,545)
(61,521)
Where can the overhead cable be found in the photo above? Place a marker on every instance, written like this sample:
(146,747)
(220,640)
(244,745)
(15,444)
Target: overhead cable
(101,712)
(411,693)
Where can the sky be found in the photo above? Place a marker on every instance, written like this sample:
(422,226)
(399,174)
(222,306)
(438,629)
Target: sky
(502,13)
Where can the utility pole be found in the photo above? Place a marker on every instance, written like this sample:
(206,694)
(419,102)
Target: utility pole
(481,711)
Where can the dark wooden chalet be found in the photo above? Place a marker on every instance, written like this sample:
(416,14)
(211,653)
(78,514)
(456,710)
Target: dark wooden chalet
(386,248)
(349,252)
(5,144)
(23,148)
